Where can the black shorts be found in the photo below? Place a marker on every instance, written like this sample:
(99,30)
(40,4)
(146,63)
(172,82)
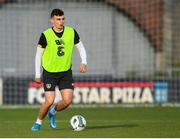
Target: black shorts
(63,80)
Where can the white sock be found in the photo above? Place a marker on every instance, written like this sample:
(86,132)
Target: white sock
(53,111)
(38,121)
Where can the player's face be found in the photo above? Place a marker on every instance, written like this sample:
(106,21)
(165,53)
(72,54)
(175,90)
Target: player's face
(58,21)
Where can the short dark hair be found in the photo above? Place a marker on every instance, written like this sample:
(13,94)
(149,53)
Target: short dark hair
(57,12)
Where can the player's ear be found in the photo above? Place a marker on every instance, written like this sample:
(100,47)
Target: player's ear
(52,21)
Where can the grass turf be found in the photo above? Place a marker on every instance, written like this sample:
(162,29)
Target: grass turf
(101,122)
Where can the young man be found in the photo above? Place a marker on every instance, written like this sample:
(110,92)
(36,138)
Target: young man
(55,47)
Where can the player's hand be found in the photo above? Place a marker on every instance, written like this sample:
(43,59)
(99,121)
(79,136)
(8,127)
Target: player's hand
(37,80)
(83,68)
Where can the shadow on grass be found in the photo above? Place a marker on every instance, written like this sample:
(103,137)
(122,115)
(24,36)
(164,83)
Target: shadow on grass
(112,126)
(101,127)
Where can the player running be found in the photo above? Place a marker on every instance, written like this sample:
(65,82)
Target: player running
(55,48)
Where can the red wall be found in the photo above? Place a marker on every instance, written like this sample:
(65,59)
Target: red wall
(147,14)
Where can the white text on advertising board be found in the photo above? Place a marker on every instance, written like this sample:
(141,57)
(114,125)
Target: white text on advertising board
(124,93)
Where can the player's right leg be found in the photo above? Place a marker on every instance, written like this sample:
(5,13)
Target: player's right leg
(49,87)
(49,99)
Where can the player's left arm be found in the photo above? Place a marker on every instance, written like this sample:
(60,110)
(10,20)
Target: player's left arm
(82,52)
(83,55)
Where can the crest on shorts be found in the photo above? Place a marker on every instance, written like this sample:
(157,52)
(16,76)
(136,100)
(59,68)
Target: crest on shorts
(48,85)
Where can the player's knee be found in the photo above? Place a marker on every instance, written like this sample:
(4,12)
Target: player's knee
(49,102)
(67,102)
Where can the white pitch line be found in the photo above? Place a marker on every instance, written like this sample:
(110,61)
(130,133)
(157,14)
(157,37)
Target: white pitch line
(100,121)
(1,92)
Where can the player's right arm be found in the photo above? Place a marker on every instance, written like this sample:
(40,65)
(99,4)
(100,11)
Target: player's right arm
(40,49)
(38,57)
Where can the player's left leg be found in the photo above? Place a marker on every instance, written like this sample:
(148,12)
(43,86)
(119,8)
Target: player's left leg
(67,95)
(66,88)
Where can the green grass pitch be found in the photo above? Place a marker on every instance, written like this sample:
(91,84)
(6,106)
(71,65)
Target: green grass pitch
(101,122)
